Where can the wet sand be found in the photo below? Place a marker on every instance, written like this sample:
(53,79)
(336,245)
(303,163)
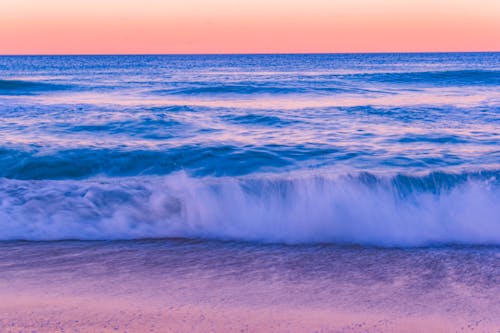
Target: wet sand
(182,286)
(93,314)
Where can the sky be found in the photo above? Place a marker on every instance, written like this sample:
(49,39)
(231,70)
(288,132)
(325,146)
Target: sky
(250,26)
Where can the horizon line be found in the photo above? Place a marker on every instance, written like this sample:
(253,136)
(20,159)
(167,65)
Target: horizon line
(236,53)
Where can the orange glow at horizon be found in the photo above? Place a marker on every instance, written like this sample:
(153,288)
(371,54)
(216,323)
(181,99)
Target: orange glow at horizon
(258,26)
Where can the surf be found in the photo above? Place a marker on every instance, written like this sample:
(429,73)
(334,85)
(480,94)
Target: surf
(365,209)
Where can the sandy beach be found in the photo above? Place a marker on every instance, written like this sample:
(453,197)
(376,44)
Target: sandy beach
(160,286)
(95,314)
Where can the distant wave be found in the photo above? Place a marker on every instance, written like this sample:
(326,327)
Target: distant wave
(258,119)
(402,210)
(449,78)
(338,83)
(20,87)
(216,88)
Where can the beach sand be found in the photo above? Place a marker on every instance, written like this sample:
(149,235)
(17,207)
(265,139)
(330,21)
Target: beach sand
(216,287)
(42,313)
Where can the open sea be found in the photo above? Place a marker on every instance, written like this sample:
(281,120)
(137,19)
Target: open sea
(357,178)
(367,149)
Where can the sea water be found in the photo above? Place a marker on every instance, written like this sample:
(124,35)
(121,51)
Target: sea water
(369,149)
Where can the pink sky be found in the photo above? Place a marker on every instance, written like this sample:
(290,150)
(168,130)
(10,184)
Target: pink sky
(251,26)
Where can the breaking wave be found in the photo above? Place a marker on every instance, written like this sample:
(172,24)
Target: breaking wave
(400,210)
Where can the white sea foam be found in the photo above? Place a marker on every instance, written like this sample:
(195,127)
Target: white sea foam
(288,209)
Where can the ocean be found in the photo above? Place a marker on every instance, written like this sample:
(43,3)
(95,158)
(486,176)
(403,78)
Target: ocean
(258,193)
(390,150)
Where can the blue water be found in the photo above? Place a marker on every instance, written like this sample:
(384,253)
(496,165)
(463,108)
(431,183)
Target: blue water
(370,149)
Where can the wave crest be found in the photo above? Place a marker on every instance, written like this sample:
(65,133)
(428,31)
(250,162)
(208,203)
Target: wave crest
(357,209)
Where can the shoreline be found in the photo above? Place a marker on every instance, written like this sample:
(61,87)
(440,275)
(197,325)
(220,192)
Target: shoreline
(155,286)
